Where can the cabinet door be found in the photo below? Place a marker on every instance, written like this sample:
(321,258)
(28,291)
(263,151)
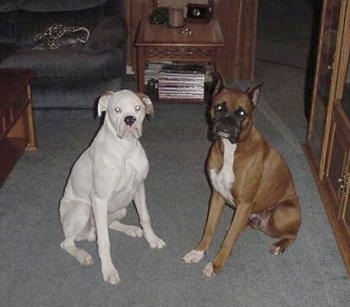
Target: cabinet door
(339,158)
(322,82)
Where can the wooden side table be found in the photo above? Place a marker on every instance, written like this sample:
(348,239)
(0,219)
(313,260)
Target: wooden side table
(197,43)
(17,131)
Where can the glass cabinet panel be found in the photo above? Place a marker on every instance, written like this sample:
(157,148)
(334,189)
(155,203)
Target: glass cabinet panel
(322,84)
(345,102)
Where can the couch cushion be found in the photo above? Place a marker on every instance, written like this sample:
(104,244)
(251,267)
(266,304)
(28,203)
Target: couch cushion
(69,62)
(109,34)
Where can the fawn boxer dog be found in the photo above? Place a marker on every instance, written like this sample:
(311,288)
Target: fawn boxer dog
(105,179)
(248,174)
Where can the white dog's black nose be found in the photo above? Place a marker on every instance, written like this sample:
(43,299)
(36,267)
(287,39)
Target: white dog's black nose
(129,120)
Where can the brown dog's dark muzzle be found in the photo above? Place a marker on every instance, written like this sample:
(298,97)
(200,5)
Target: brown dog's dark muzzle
(227,126)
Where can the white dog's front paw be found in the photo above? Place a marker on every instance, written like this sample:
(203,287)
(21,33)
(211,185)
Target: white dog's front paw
(154,241)
(84,258)
(133,231)
(208,270)
(194,256)
(111,276)
(129,230)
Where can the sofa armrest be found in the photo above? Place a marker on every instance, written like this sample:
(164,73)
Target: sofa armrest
(109,34)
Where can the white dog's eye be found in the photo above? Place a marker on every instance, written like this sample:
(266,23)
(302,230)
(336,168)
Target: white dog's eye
(137,108)
(118,110)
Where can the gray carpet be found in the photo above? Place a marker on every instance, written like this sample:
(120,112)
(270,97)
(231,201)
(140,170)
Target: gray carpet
(36,272)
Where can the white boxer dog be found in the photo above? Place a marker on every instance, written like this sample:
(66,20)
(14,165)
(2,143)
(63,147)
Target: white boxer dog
(105,179)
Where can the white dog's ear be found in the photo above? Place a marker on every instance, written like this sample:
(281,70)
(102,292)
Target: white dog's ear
(103,102)
(149,109)
(254,92)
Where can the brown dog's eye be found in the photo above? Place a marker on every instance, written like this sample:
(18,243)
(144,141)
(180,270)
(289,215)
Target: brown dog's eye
(220,107)
(241,113)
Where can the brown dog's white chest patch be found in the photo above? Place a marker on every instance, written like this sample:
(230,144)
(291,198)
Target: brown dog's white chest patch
(223,180)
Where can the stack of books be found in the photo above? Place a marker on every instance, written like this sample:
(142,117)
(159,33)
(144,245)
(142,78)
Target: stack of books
(183,82)
(152,70)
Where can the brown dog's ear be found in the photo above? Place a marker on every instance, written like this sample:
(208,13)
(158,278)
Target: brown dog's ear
(103,102)
(149,109)
(254,92)
(220,82)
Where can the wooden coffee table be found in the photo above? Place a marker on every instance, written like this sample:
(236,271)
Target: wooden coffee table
(197,43)
(17,132)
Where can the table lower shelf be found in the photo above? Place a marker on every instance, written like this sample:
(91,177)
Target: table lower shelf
(153,95)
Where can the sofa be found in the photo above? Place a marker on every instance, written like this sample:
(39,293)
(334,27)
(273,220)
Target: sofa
(74,65)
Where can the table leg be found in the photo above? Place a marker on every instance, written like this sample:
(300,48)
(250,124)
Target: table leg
(141,69)
(32,142)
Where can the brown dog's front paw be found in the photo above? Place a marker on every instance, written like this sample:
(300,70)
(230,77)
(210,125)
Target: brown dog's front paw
(208,270)
(276,250)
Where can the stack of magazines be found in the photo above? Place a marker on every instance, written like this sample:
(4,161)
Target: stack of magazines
(183,82)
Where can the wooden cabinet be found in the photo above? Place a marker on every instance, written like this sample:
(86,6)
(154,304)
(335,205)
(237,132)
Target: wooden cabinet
(328,139)
(237,19)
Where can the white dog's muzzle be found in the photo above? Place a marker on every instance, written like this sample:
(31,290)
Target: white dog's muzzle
(130,126)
